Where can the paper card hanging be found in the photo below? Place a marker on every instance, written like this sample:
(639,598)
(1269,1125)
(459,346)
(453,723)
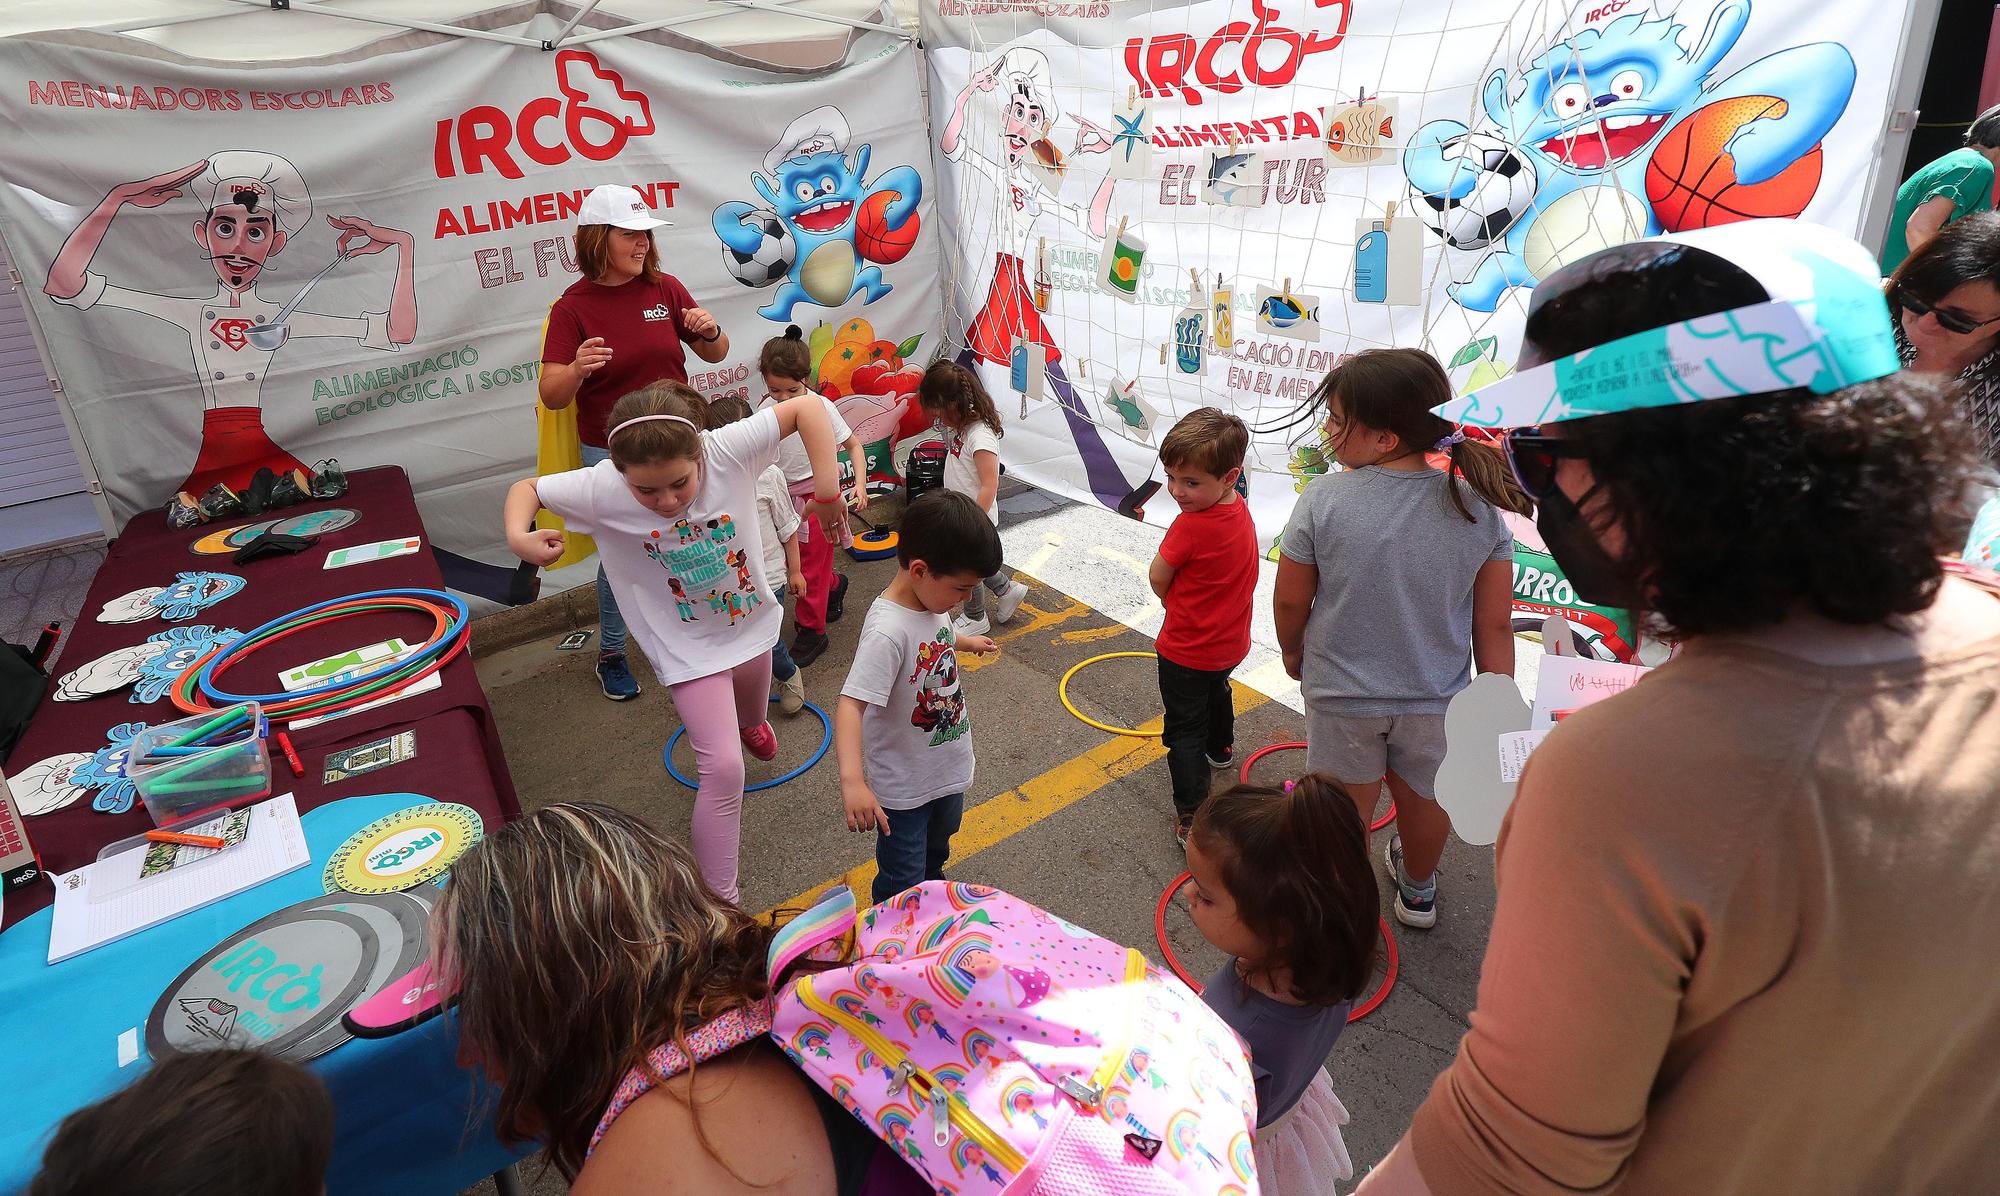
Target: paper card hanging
(1283,313)
(1124,400)
(1233,177)
(1026,367)
(1121,266)
(1389,261)
(1131,152)
(1359,133)
(1190,339)
(1222,316)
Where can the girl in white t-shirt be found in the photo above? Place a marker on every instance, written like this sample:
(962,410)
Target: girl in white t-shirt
(952,396)
(674,513)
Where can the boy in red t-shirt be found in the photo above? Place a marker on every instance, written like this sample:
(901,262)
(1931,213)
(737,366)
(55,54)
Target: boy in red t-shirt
(1206,575)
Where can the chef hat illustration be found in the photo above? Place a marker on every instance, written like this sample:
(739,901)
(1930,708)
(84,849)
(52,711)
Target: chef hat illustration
(1028,75)
(259,181)
(821,131)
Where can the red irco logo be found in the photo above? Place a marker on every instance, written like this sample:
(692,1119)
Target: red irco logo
(596,113)
(230,332)
(1598,14)
(1236,56)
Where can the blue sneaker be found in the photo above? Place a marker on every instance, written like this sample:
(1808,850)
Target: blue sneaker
(617,680)
(1415,906)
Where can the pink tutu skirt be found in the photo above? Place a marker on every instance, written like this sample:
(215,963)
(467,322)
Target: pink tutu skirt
(1303,1154)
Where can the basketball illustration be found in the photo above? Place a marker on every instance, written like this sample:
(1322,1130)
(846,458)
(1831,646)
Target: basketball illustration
(878,242)
(1691,177)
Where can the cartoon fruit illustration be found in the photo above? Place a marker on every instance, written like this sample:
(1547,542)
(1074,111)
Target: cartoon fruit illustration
(819,342)
(856,329)
(871,379)
(885,351)
(842,360)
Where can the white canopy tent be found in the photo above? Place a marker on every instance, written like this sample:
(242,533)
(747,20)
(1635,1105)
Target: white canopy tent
(785,32)
(43,483)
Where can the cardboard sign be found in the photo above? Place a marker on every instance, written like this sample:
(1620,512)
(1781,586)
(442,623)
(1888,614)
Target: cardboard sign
(1190,339)
(1222,316)
(1361,132)
(1124,400)
(1570,683)
(1389,262)
(1233,177)
(1282,313)
(1122,265)
(1131,153)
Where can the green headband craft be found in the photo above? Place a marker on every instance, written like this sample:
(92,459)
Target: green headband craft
(1825,327)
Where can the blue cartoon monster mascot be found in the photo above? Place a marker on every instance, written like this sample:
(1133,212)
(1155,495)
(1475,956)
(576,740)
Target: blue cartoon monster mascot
(1561,170)
(816,236)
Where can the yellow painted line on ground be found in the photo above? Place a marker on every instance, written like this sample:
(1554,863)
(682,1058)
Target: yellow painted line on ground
(1091,635)
(1008,814)
(1038,620)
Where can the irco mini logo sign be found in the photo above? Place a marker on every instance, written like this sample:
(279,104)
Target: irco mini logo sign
(1240,54)
(593,117)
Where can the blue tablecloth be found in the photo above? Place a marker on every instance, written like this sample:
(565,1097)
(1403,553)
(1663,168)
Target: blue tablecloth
(404,1111)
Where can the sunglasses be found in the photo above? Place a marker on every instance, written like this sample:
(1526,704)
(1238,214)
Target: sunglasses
(1950,321)
(1533,457)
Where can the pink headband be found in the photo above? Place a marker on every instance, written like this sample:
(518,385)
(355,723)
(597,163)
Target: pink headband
(679,419)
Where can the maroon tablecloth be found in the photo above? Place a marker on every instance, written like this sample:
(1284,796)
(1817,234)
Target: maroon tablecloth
(458,748)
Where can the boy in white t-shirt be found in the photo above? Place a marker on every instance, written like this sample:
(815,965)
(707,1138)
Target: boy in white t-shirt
(779,523)
(902,732)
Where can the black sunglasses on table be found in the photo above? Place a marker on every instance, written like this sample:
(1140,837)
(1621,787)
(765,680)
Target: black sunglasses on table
(1951,321)
(1533,458)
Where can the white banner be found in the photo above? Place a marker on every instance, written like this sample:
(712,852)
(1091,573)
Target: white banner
(166,214)
(1204,191)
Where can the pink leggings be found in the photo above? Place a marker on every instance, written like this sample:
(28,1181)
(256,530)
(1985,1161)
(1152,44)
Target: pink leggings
(714,708)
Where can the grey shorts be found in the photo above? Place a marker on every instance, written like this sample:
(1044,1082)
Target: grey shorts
(1355,751)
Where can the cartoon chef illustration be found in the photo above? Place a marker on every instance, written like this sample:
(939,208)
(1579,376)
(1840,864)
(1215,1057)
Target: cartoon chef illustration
(253,205)
(1010,106)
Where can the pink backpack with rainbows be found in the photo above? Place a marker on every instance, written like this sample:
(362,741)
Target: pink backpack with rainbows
(1000,1049)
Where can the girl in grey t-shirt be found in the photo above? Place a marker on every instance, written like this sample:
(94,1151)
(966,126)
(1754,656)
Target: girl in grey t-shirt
(1395,582)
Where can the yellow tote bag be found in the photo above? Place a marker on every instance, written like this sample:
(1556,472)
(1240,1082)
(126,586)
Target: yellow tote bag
(558,448)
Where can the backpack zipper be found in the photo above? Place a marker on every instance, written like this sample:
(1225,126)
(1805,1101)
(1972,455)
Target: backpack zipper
(945,1112)
(1091,1094)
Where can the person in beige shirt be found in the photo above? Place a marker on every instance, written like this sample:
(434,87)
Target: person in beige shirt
(1749,910)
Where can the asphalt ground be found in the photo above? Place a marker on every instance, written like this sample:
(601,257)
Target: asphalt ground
(1061,814)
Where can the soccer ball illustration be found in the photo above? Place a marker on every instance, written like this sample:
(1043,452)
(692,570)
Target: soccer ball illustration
(1504,188)
(771,260)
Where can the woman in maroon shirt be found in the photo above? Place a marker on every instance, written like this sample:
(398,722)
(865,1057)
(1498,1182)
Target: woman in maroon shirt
(622,302)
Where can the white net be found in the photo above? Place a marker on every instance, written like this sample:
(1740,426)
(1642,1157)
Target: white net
(1510,141)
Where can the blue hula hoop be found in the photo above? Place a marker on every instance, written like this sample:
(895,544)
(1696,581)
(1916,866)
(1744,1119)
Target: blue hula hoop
(462,617)
(826,741)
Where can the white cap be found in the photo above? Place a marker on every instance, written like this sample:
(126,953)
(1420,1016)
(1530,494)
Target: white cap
(821,131)
(619,207)
(277,184)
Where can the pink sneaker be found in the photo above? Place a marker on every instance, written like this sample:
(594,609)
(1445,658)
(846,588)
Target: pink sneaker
(761,740)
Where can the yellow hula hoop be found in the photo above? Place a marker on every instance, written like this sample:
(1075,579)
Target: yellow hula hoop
(1062,691)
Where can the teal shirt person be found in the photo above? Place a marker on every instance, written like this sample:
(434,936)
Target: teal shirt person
(1962,178)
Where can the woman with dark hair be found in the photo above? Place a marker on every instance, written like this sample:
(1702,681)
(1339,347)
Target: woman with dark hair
(1748,909)
(617,330)
(581,941)
(1946,300)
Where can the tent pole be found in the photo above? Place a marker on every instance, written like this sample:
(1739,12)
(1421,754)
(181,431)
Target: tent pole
(596,35)
(400,23)
(562,33)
